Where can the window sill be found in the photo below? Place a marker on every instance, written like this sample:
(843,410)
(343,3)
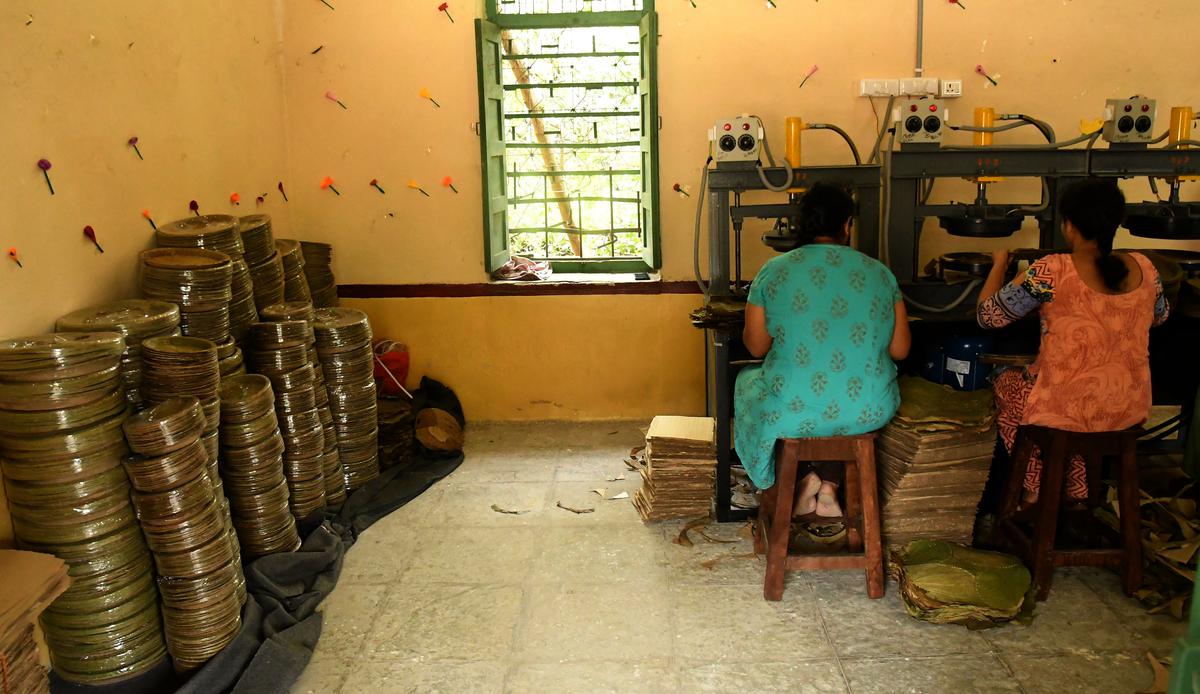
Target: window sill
(562,284)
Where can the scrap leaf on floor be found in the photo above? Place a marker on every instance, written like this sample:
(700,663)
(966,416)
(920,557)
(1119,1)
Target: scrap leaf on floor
(574,510)
(509,511)
(1162,676)
(618,478)
(622,495)
(601,491)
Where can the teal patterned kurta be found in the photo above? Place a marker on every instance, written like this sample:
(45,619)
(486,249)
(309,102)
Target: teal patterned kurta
(830,311)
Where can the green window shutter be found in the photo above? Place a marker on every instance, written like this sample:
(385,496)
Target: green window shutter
(491,145)
(648,94)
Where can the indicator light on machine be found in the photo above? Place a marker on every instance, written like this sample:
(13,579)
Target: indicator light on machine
(1145,108)
(1128,108)
(745,126)
(933,108)
(728,127)
(913,108)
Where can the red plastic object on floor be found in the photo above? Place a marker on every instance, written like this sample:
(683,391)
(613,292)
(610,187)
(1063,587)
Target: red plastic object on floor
(391,366)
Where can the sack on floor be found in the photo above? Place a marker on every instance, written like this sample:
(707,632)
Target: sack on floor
(947,583)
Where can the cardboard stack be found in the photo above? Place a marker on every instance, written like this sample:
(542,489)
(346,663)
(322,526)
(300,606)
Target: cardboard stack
(933,461)
(679,476)
(32,581)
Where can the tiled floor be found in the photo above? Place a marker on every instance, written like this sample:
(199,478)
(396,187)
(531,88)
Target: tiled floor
(447,595)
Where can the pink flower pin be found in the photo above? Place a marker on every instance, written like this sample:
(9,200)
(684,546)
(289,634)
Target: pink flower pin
(133,143)
(146,214)
(333,97)
(980,71)
(280,186)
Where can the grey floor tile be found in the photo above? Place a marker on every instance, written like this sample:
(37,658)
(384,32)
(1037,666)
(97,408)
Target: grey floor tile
(862,627)
(324,674)
(1081,672)
(456,554)
(380,554)
(807,677)
(595,622)
(593,678)
(982,674)
(487,466)
(1071,619)
(734,623)
(1157,633)
(426,677)
(721,563)
(611,554)
(445,621)
(347,617)
(471,504)
(605,509)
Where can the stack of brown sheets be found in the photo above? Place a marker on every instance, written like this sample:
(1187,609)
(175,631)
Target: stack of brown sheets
(933,462)
(681,458)
(33,580)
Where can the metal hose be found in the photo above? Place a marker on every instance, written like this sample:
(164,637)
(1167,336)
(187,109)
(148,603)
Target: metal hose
(843,133)
(696,239)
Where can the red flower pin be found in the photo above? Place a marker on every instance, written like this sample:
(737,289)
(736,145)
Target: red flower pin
(327,182)
(194,207)
(375,185)
(280,186)
(133,143)
(146,214)
(12,253)
(89,232)
(445,7)
(44,165)
(235,198)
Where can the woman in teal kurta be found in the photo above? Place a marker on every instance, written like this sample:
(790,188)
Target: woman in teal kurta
(830,321)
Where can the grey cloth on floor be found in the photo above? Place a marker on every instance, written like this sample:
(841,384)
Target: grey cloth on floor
(280,624)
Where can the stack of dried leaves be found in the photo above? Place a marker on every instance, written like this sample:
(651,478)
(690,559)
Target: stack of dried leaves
(947,583)
(1170,540)
(720,314)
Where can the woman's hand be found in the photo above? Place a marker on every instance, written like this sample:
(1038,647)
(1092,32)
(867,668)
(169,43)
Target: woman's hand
(1000,259)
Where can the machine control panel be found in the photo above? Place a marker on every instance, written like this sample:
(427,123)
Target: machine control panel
(1129,120)
(736,139)
(922,121)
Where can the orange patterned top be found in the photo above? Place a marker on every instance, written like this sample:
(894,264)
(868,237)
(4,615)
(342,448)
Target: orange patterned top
(1093,368)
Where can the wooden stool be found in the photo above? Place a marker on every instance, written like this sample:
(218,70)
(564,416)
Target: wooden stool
(1057,448)
(861,511)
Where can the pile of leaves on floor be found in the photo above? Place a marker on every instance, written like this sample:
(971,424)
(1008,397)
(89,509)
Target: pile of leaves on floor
(1170,540)
(948,583)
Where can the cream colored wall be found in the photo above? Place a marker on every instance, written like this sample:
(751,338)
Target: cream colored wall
(554,357)
(198,83)
(1056,60)
(725,57)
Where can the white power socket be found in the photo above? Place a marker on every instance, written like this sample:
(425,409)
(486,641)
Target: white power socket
(878,87)
(951,89)
(919,86)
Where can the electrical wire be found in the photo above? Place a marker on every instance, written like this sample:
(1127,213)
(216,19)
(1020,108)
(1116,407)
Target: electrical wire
(887,120)
(696,239)
(948,307)
(1045,128)
(1183,143)
(1052,145)
(886,174)
(843,133)
(1041,207)
(1160,138)
(762,175)
(994,129)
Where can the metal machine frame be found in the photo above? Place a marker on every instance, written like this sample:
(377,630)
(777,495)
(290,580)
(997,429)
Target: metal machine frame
(722,347)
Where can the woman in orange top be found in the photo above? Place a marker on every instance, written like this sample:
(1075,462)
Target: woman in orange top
(1092,371)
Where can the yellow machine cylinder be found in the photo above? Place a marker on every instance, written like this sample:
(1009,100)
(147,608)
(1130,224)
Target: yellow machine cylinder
(985,117)
(1181,124)
(793,126)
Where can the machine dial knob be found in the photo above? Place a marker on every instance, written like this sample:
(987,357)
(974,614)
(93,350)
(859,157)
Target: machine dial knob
(1125,124)
(746,143)
(1143,124)
(933,124)
(727,143)
(913,124)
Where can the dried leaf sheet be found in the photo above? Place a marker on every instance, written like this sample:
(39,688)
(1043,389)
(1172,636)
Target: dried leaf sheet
(1162,676)
(622,495)
(574,510)
(618,478)
(509,511)
(601,491)
(682,539)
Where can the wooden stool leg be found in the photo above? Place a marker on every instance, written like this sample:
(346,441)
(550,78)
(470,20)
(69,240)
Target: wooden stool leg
(1022,452)
(853,517)
(1131,519)
(870,518)
(781,520)
(1049,498)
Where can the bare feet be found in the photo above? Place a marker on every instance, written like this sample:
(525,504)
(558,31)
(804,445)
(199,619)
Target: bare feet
(827,503)
(806,499)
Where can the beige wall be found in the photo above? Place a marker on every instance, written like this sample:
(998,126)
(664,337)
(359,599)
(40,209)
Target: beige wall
(199,83)
(226,96)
